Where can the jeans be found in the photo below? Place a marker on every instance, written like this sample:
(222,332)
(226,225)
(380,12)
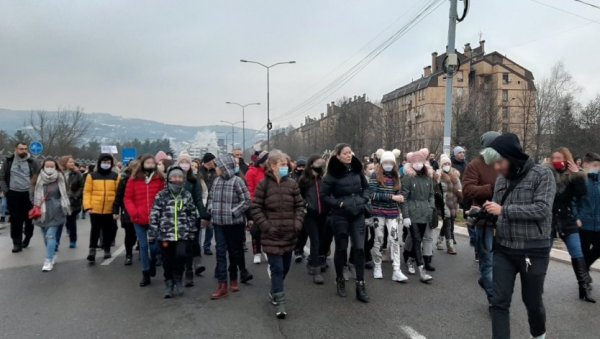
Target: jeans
(208,236)
(18,207)
(353,229)
(230,240)
(484,239)
(147,250)
(506,266)
(573,243)
(50,240)
(279,266)
(590,243)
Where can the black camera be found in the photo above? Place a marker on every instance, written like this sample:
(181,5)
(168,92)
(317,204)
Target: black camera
(481,218)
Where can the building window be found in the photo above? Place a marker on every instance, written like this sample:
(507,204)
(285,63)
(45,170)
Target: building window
(505,78)
(459,76)
(504,95)
(505,113)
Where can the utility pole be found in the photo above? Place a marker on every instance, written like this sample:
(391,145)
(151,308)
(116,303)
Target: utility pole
(243,120)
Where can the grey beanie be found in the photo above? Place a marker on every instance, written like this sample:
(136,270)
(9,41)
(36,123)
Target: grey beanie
(488,137)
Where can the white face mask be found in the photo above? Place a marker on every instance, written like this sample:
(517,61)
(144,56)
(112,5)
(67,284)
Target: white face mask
(105,166)
(446,168)
(388,167)
(50,171)
(418,166)
(370,172)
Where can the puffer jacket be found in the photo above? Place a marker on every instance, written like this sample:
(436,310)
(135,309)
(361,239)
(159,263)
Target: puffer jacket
(174,217)
(419,197)
(100,189)
(570,187)
(310,188)
(253,177)
(139,197)
(345,189)
(229,198)
(278,210)
(451,189)
(587,208)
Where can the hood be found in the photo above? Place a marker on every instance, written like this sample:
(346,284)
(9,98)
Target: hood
(227,164)
(105,156)
(336,168)
(509,147)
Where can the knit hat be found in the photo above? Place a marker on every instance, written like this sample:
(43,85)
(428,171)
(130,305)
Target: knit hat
(183,156)
(160,156)
(444,159)
(301,162)
(391,156)
(175,172)
(488,137)
(261,158)
(509,147)
(457,150)
(208,157)
(418,156)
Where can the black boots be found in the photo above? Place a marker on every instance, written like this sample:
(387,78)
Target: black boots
(341,286)
(427,259)
(245,276)
(128,260)
(189,278)
(152,268)
(145,279)
(17,248)
(583,279)
(168,289)
(361,292)
(178,286)
(92,256)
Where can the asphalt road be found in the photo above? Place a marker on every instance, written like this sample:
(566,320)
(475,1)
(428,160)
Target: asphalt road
(104,301)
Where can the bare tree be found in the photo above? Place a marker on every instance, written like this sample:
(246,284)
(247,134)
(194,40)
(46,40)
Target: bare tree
(59,132)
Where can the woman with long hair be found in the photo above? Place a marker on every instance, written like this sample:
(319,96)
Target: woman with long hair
(450,189)
(570,188)
(74,182)
(120,210)
(51,197)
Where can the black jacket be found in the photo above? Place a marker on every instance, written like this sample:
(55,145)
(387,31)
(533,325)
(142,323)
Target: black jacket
(75,191)
(570,188)
(310,188)
(345,189)
(119,204)
(5,175)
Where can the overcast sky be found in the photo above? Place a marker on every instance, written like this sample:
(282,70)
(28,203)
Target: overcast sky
(178,61)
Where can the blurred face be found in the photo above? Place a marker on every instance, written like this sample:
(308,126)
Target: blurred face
(432,157)
(106,164)
(176,180)
(387,166)
(345,156)
(238,153)
(21,150)
(194,167)
(210,165)
(557,157)
(280,164)
(460,156)
(502,167)
(70,165)
(149,164)
(49,165)
(185,165)
(591,167)
(578,162)
(161,167)
(370,168)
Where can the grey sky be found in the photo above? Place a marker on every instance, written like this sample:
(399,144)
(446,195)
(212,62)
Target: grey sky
(178,61)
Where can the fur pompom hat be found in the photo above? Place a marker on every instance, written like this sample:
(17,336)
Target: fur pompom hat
(444,159)
(383,155)
(419,156)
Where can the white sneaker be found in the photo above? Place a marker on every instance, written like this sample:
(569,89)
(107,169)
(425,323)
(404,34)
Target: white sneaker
(257,258)
(423,275)
(54,259)
(399,276)
(48,265)
(377,273)
(411,266)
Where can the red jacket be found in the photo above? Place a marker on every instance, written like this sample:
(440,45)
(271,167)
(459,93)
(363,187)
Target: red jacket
(139,198)
(253,177)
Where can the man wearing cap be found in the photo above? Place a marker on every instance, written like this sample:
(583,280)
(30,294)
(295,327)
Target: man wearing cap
(522,202)
(208,173)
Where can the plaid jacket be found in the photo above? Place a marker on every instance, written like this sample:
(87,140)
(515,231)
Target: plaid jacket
(173,218)
(229,197)
(526,219)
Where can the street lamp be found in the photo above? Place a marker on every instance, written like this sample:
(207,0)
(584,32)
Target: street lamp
(269,125)
(243,120)
(232,132)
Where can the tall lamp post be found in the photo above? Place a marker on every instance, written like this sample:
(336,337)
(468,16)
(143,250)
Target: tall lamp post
(268,68)
(232,131)
(243,119)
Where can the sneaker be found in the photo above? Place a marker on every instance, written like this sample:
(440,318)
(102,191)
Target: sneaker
(48,266)
(128,260)
(399,276)
(377,273)
(257,258)
(298,256)
(411,266)
(440,244)
(54,259)
(72,244)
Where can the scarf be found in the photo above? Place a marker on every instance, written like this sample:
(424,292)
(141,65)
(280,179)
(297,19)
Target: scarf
(44,180)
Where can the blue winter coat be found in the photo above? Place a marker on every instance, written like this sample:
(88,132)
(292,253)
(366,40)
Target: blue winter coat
(587,208)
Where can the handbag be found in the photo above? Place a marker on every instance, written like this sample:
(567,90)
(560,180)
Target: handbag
(36,211)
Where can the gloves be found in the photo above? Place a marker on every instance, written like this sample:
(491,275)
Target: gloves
(406,222)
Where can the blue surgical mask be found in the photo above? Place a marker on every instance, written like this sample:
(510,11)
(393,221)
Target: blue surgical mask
(283,171)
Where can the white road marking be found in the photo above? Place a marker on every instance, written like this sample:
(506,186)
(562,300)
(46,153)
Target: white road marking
(114,256)
(412,333)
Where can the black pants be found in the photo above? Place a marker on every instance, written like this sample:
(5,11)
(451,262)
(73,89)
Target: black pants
(130,237)
(447,230)
(312,227)
(325,238)
(71,226)
(505,269)
(353,229)
(19,205)
(195,251)
(230,241)
(302,239)
(105,224)
(417,231)
(256,244)
(175,254)
(369,243)
(590,245)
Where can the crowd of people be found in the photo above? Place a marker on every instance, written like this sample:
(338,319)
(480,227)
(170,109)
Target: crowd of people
(514,209)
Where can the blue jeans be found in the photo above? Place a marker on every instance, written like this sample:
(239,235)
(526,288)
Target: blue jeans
(147,251)
(208,236)
(484,238)
(280,266)
(573,243)
(50,240)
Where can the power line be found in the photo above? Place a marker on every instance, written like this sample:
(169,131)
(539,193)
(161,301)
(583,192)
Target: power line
(566,12)
(345,77)
(589,4)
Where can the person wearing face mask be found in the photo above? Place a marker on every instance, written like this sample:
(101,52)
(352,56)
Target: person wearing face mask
(570,189)
(450,189)
(254,176)
(192,185)
(386,198)
(120,210)
(587,212)
(15,181)
(417,210)
(50,195)
(345,191)
(228,202)
(278,210)
(174,222)
(99,193)
(74,182)
(314,221)
(207,173)
(140,192)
